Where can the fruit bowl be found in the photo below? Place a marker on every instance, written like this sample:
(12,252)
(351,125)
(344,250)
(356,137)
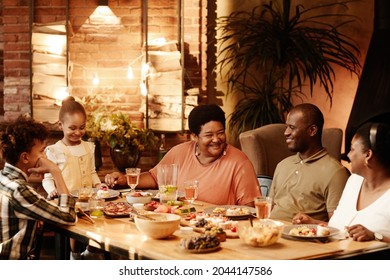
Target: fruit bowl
(161,226)
(264,232)
(139,197)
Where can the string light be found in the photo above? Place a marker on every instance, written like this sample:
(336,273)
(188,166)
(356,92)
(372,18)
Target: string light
(95,79)
(143,89)
(130,74)
(62,93)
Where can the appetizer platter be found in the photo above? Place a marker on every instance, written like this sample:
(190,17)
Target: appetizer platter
(174,207)
(117,209)
(202,222)
(233,212)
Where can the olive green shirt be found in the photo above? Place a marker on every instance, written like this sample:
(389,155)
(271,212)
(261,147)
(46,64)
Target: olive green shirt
(312,186)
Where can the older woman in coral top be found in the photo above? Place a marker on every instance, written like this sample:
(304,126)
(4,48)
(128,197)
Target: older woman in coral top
(225,174)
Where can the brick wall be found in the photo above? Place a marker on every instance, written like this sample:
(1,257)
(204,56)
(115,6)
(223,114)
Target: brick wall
(16,36)
(101,43)
(1,63)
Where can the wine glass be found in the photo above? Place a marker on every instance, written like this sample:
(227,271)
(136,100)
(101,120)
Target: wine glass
(132,175)
(191,191)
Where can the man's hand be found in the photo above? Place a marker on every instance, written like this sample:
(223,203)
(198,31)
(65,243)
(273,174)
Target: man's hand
(301,218)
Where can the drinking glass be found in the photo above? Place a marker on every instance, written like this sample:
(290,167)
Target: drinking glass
(85,194)
(132,175)
(263,207)
(96,206)
(191,191)
(167,181)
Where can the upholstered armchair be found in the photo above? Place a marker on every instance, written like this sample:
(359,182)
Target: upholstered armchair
(266,146)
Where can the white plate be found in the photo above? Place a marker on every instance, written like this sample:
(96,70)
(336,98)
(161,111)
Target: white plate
(113,193)
(286,230)
(252,211)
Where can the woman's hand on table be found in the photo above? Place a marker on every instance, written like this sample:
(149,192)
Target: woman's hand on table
(115,178)
(359,233)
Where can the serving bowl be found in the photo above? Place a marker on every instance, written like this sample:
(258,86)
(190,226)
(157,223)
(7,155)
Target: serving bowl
(139,197)
(160,226)
(264,232)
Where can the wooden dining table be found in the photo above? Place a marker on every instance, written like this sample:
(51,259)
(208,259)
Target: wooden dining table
(120,236)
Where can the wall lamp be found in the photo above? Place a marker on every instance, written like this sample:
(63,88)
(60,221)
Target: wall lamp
(103,2)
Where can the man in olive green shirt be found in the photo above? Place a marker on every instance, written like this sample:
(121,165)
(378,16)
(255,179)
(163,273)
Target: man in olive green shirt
(311,181)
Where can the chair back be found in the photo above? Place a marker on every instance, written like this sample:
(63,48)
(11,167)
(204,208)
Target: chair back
(266,146)
(265,183)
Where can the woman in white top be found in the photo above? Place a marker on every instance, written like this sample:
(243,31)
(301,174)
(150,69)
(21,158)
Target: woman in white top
(363,210)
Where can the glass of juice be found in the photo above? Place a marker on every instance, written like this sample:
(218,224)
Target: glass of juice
(263,207)
(191,191)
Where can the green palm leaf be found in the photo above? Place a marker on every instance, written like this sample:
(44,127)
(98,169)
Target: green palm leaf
(271,53)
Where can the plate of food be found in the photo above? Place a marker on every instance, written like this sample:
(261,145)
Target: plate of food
(117,209)
(101,193)
(233,212)
(309,231)
(201,244)
(201,221)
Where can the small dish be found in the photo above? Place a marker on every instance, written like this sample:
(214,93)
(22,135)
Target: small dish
(186,230)
(139,197)
(138,206)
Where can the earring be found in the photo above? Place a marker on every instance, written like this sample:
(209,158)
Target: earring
(224,152)
(366,162)
(197,153)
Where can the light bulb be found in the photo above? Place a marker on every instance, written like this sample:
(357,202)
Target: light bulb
(144,90)
(145,69)
(96,80)
(130,74)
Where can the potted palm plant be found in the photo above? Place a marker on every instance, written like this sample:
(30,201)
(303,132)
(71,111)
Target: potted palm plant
(270,54)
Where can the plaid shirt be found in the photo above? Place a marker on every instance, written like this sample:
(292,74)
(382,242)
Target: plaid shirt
(22,209)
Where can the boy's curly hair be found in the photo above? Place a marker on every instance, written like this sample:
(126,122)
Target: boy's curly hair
(18,137)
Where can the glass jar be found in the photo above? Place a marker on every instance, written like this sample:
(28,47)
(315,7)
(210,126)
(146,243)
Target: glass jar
(96,206)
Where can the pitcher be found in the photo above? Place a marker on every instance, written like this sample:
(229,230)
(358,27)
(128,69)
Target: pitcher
(167,181)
